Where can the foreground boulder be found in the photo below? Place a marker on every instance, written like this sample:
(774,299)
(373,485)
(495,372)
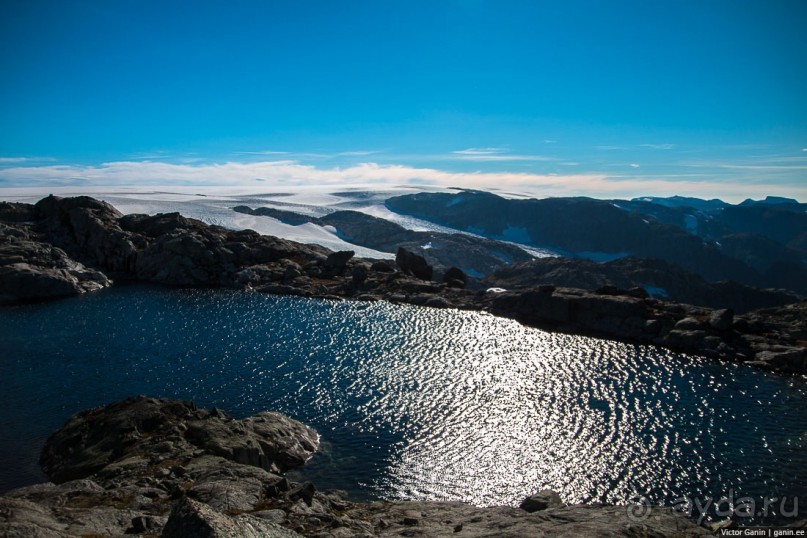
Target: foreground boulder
(191,519)
(92,440)
(153,467)
(413,264)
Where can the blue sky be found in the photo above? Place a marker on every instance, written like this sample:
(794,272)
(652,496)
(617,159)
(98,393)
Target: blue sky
(598,97)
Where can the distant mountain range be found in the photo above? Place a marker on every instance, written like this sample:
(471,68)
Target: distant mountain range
(705,252)
(756,243)
(476,256)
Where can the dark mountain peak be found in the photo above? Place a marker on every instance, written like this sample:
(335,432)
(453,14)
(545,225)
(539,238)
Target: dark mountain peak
(771,200)
(684,201)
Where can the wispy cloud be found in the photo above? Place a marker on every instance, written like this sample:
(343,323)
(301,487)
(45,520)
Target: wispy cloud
(634,165)
(480,151)
(763,165)
(265,152)
(608,148)
(495,154)
(769,167)
(19,160)
(289,173)
(356,153)
(308,155)
(658,146)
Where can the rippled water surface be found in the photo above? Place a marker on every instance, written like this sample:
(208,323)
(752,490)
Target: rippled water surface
(412,402)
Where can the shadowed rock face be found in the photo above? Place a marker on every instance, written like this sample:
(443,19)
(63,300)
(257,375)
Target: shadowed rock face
(46,249)
(413,264)
(663,279)
(167,468)
(34,270)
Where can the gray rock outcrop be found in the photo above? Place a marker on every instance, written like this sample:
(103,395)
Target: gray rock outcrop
(166,468)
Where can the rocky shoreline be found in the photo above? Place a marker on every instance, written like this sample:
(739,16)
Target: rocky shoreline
(67,246)
(155,467)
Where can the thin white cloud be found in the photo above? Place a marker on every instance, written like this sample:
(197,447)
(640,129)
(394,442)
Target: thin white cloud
(356,153)
(495,154)
(266,152)
(289,173)
(502,158)
(634,165)
(18,160)
(742,166)
(658,146)
(772,168)
(480,151)
(608,148)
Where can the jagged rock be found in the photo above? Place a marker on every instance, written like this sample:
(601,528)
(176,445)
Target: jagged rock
(382,266)
(722,319)
(97,438)
(228,496)
(336,262)
(292,270)
(141,524)
(16,212)
(413,264)
(689,324)
(665,280)
(787,359)
(267,440)
(542,500)
(156,225)
(34,270)
(359,275)
(304,491)
(455,278)
(180,259)
(638,291)
(190,519)
(90,228)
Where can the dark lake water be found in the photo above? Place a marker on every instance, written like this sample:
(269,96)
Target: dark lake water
(412,402)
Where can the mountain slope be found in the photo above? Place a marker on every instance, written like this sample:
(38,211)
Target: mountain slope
(580,226)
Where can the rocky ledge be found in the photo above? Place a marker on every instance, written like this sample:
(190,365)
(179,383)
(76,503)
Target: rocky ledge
(153,467)
(66,246)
